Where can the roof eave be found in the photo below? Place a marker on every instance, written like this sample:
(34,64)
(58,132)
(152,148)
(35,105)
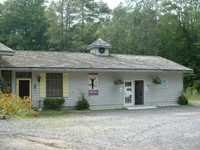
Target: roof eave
(189,71)
(94,69)
(7,53)
(98,46)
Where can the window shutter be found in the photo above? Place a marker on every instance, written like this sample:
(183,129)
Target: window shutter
(43,85)
(65,85)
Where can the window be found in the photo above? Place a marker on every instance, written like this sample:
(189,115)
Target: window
(54,85)
(93,81)
(93,84)
(101,50)
(6,81)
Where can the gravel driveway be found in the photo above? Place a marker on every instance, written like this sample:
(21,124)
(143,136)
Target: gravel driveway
(157,129)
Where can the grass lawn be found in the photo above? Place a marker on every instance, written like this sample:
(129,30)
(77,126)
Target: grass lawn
(60,113)
(194,103)
(54,113)
(194,100)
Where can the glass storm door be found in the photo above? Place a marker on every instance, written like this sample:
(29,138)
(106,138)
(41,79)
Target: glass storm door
(128,93)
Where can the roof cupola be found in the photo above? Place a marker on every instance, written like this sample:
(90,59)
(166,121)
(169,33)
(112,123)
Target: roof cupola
(100,48)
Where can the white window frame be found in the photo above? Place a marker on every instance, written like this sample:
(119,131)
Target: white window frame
(133,97)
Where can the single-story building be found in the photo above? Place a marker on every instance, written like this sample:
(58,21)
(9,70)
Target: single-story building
(109,81)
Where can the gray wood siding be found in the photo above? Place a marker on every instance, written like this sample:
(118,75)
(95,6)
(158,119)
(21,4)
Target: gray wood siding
(168,93)
(111,96)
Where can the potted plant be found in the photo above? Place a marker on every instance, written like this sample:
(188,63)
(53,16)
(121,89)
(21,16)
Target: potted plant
(118,82)
(156,80)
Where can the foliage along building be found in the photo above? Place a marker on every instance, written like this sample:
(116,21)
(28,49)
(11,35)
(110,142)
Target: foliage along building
(108,81)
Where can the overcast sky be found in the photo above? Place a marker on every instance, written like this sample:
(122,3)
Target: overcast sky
(111,3)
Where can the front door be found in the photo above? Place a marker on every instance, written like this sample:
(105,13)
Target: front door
(128,93)
(139,92)
(24,88)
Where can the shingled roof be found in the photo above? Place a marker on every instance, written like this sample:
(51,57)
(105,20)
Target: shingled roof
(81,61)
(4,50)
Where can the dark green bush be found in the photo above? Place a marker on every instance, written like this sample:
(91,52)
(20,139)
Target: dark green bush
(82,104)
(53,103)
(182,100)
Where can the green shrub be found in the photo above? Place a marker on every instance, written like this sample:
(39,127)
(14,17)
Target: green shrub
(82,104)
(35,108)
(182,100)
(53,103)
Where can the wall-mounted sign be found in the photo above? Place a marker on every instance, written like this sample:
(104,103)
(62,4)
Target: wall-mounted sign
(93,84)
(93,92)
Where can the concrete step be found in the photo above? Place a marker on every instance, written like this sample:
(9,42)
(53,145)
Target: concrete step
(141,107)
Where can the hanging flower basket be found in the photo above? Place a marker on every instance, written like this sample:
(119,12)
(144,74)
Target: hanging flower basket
(118,82)
(157,80)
